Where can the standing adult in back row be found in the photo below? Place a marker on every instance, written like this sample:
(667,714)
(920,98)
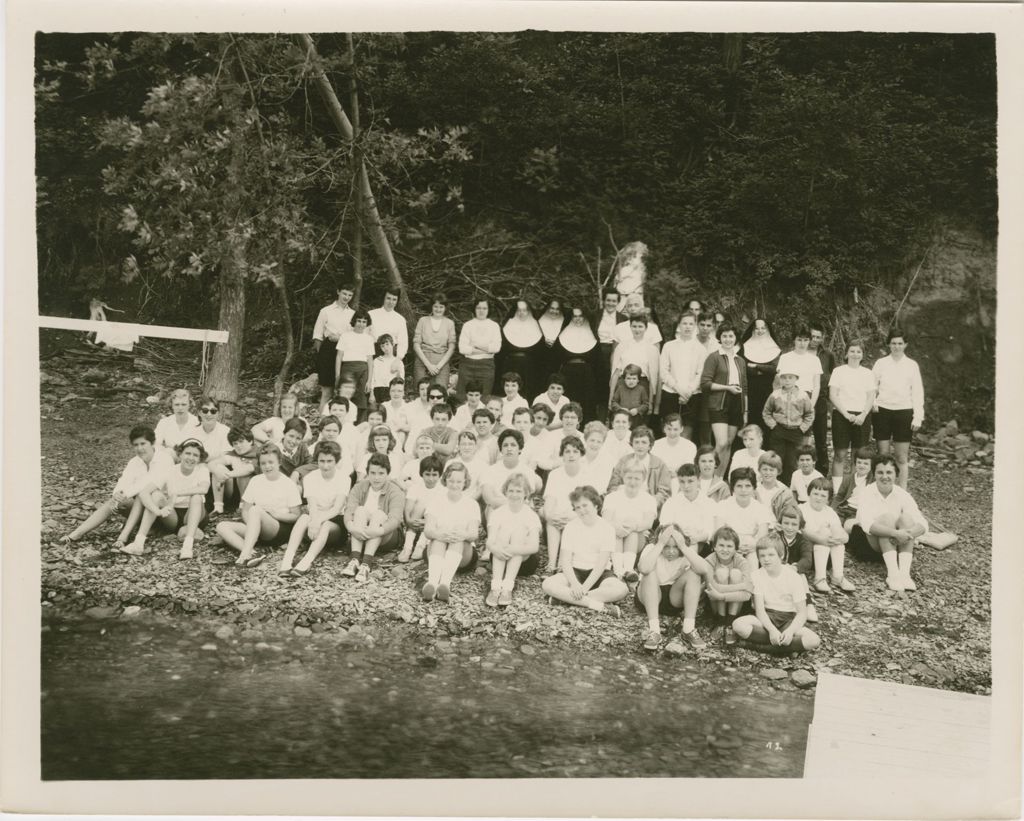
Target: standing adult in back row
(386,320)
(332,321)
(479,341)
(899,403)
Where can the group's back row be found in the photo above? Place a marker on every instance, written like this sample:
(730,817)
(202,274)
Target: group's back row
(714,378)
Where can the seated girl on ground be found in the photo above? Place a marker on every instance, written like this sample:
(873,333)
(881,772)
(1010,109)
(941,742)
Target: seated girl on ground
(670,584)
(411,472)
(452,525)
(325,491)
(294,452)
(513,539)
(780,610)
(632,510)
(176,500)
(270,506)
(850,487)
(467,455)
(824,530)
(147,463)
(416,496)
(373,517)
(375,417)
(729,584)
(770,491)
(797,550)
(230,472)
(587,545)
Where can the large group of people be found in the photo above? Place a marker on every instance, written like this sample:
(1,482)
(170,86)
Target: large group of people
(736,502)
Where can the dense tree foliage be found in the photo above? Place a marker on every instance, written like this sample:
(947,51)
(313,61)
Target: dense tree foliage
(759,167)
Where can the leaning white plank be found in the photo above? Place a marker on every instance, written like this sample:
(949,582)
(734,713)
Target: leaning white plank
(159,331)
(883,729)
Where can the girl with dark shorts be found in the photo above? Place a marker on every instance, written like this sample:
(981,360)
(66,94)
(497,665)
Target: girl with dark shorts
(270,506)
(354,359)
(587,544)
(724,384)
(332,321)
(176,500)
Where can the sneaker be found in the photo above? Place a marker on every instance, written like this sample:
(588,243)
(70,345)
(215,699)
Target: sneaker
(652,641)
(716,633)
(504,598)
(406,554)
(492,599)
(730,637)
(363,574)
(693,639)
(443,593)
(895,583)
(631,577)
(428,592)
(186,550)
(812,613)
(351,568)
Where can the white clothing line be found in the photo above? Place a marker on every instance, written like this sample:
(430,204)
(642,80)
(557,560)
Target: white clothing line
(132,329)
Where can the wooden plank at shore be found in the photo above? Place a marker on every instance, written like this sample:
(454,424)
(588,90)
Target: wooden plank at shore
(883,730)
(157,331)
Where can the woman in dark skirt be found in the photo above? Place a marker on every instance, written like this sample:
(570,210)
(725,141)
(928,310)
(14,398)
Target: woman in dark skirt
(552,322)
(580,363)
(761,353)
(332,321)
(520,348)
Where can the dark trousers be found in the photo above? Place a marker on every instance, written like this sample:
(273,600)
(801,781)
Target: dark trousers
(820,430)
(785,442)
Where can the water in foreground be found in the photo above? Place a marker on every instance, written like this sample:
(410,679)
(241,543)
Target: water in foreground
(149,699)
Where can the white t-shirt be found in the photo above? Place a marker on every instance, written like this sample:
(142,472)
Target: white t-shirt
(384,370)
(742,459)
(510,406)
(598,472)
(181,488)
(270,495)
(417,416)
(780,592)
(137,474)
(356,347)
(395,458)
(538,449)
(852,387)
(215,441)
(463,417)
(666,571)
(461,515)
(544,399)
(398,420)
(323,494)
(698,515)
(824,521)
(798,483)
(585,543)
(744,520)
(614,448)
(806,366)
(633,513)
(497,473)
(391,323)
(674,455)
(169,433)
(417,491)
(508,528)
(872,504)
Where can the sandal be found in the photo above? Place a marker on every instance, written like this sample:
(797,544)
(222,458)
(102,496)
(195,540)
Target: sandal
(844,585)
(298,573)
(255,561)
(821,586)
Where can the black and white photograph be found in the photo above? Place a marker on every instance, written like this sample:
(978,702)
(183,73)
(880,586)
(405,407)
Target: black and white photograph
(536,406)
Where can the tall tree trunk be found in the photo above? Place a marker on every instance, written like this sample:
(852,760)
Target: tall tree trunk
(374,226)
(281,286)
(226,364)
(357,228)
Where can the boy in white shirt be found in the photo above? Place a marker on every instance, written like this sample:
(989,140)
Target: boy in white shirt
(805,472)
(673,449)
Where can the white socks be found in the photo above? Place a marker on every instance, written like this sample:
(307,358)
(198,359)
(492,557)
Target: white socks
(688,625)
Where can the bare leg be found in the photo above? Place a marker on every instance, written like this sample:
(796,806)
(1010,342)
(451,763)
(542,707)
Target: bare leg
(724,434)
(554,538)
(294,540)
(902,453)
(96,518)
(134,516)
(233,534)
(330,533)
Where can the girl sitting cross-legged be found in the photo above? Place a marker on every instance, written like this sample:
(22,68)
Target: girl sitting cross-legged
(587,545)
(513,538)
(452,524)
(373,517)
(270,506)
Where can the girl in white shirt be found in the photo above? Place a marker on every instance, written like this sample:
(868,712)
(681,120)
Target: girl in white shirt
(562,481)
(386,369)
(899,403)
(270,506)
(271,429)
(587,545)
(355,358)
(596,463)
(632,509)
(325,490)
(381,440)
(172,430)
(744,513)
(825,531)
(176,500)
(513,534)
(851,388)
(212,433)
(452,525)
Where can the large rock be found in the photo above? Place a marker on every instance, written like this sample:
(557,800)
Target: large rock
(774,674)
(803,679)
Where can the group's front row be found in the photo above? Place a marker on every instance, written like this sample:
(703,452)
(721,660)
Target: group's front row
(663,537)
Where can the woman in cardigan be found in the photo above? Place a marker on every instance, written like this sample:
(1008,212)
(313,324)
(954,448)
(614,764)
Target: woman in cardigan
(433,343)
(724,384)
(761,354)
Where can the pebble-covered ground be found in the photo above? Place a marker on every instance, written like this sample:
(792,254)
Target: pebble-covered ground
(938,636)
